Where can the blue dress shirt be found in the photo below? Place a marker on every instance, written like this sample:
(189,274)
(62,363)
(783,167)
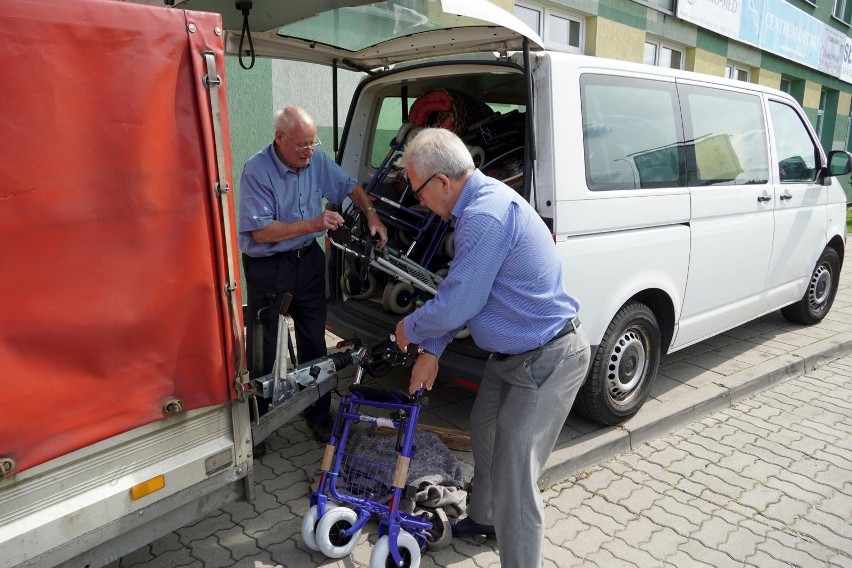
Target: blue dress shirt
(270,191)
(505,281)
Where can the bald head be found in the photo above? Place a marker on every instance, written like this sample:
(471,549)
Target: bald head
(293,117)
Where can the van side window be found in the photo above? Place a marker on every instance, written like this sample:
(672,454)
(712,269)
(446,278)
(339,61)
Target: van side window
(727,135)
(631,133)
(797,153)
(389,121)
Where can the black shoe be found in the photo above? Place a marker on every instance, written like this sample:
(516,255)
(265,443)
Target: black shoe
(259,450)
(469,527)
(321,430)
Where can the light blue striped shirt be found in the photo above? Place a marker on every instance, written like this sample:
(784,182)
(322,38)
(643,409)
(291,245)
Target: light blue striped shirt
(505,281)
(270,191)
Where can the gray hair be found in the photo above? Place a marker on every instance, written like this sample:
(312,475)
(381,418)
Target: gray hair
(290,117)
(435,150)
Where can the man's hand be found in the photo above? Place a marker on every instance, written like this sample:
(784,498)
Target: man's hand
(377,228)
(328,221)
(423,373)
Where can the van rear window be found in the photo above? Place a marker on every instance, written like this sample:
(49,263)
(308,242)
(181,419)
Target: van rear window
(631,133)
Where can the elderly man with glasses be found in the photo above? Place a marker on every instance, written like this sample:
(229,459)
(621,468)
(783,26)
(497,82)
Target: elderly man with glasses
(281,216)
(505,284)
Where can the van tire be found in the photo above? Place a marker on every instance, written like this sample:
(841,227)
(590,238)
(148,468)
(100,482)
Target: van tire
(820,293)
(624,367)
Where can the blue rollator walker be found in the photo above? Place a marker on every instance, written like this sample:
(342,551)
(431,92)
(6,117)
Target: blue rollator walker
(369,487)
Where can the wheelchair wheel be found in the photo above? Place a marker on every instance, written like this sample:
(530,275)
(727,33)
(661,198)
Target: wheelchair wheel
(368,286)
(309,527)
(408,549)
(397,297)
(329,538)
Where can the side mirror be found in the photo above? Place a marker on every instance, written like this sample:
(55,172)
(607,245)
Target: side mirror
(839,163)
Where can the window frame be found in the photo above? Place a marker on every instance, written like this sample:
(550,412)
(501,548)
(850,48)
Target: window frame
(660,45)
(732,69)
(545,15)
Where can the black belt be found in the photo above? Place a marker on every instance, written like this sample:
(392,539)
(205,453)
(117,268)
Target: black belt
(570,327)
(291,254)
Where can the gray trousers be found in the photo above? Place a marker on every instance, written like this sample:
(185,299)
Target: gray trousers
(520,409)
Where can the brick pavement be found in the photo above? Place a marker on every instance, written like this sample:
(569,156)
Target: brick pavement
(764,480)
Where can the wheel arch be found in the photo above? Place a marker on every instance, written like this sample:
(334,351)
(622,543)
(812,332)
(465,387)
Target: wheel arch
(838,245)
(661,304)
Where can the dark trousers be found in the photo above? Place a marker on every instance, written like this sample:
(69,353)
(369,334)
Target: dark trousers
(268,279)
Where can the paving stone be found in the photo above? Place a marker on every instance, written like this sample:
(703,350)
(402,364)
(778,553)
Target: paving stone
(205,527)
(211,553)
(786,510)
(605,558)
(238,543)
(638,556)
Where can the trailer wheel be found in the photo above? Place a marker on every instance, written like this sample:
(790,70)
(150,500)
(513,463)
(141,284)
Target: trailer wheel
(624,367)
(329,538)
(398,297)
(309,528)
(409,550)
(820,293)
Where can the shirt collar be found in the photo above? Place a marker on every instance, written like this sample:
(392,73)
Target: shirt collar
(471,187)
(279,165)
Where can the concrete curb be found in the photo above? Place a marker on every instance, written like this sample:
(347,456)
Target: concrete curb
(655,421)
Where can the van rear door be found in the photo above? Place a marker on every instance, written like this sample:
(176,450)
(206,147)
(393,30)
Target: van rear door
(366,35)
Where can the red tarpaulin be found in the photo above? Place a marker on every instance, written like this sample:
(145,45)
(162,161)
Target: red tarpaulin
(113,279)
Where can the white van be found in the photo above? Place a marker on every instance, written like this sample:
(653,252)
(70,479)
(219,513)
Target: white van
(682,204)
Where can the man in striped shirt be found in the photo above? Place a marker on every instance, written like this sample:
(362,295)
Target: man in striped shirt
(505,284)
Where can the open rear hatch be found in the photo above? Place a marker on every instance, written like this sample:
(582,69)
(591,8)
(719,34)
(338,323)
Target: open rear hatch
(363,34)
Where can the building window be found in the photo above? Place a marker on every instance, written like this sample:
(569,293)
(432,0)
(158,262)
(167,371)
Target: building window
(821,114)
(843,10)
(786,86)
(663,55)
(559,30)
(737,72)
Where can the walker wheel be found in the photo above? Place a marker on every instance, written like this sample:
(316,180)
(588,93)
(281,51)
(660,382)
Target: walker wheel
(398,297)
(329,538)
(309,527)
(409,550)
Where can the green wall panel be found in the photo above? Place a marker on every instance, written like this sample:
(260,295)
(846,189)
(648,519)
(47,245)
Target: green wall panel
(249,111)
(624,12)
(712,42)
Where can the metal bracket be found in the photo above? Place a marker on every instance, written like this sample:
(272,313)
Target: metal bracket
(7,466)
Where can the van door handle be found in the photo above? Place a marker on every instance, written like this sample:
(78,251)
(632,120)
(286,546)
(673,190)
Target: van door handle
(785,196)
(763,197)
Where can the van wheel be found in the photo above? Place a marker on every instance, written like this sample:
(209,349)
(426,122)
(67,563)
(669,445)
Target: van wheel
(624,367)
(819,296)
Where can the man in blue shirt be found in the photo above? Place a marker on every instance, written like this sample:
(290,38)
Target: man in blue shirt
(505,284)
(281,216)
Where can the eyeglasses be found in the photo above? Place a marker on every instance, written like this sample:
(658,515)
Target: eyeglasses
(416,192)
(304,148)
